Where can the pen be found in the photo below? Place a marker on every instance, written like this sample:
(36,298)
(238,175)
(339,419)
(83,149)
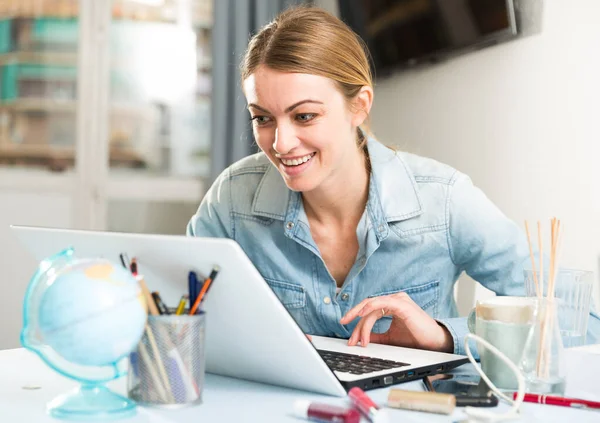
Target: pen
(193,286)
(205,287)
(162,308)
(124,261)
(560,401)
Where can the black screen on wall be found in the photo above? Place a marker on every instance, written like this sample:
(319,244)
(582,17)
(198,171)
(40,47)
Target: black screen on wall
(402,33)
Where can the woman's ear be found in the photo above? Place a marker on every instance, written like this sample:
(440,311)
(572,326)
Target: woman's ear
(362,105)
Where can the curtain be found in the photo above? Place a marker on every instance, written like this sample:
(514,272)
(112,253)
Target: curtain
(235,21)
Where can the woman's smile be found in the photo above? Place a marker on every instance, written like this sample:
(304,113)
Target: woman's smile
(295,165)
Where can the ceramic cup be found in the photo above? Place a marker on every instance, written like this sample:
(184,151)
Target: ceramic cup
(505,322)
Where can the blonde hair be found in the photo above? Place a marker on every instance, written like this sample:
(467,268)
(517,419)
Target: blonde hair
(308,39)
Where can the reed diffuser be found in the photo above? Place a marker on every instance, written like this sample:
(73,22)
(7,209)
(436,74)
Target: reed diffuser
(543,358)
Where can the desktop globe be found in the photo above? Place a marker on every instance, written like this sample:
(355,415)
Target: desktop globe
(92,314)
(82,317)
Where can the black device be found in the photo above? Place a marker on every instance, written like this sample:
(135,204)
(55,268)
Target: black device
(468,388)
(405,33)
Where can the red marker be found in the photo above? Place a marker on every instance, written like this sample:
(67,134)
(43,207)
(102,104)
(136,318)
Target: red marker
(560,401)
(325,412)
(367,406)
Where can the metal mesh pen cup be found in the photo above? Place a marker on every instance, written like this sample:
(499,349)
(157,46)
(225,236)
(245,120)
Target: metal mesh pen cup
(167,368)
(573,293)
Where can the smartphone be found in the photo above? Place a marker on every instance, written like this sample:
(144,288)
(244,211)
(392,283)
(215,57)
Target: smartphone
(468,388)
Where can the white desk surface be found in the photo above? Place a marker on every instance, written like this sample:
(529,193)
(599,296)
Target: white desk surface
(232,400)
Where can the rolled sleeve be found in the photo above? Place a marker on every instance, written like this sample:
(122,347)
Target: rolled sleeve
(457,326)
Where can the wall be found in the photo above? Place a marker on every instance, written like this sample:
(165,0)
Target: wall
(16,264)
(520,118)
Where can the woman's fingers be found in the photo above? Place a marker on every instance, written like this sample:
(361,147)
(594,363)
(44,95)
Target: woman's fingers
(355,338)
(390,305)
(371,312)
(354,312)
(368,323)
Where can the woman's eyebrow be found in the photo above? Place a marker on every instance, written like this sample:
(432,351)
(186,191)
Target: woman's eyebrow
(293,106)
(289,109)
(256,106)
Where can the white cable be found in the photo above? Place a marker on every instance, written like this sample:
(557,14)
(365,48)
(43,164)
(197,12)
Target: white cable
(475,414)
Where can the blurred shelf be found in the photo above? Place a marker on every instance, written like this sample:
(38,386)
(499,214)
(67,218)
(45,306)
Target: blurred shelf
(33,105)
(59,158)
(197,24)
(67,58)
(36,179)
(43,57)
(122,184)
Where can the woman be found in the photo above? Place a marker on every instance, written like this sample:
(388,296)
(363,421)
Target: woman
(357,240)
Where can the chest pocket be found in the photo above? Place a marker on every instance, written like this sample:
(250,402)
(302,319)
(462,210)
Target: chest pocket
(425,296)
(293,298)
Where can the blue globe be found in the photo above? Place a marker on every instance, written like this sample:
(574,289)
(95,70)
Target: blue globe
(84,312)
(93,313)
(83,317)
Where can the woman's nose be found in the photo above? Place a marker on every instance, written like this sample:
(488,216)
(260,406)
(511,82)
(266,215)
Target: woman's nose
(285,140)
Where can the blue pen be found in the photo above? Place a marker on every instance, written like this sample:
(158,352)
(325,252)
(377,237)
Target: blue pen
(193,286)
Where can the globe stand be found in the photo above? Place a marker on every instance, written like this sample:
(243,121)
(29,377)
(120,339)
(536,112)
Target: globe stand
(91,402)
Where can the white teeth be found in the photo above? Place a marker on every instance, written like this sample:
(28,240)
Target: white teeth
(296,162)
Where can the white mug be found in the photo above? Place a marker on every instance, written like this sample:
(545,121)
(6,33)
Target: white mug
(505,322)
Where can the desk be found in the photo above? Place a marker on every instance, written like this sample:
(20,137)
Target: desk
(233,400)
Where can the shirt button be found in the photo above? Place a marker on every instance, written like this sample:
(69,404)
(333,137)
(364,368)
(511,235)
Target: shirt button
(345,297)
(289,225)
(381,228)
(327,300)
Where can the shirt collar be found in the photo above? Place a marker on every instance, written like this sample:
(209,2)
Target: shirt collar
(393,192)
(393,185)
(272,196)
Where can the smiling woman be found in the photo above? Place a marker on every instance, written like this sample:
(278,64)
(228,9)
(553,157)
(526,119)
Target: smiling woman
(304,125)
(357,240)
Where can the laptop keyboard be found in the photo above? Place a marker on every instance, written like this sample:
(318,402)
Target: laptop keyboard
(357,364)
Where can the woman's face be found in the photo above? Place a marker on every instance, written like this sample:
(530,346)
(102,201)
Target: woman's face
(304,125)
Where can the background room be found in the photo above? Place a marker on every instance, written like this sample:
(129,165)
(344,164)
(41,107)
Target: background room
(123,132)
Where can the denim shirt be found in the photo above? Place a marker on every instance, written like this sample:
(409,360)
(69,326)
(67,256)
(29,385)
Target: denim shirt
(423,225)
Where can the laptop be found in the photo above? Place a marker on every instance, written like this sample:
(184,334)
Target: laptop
(249,333)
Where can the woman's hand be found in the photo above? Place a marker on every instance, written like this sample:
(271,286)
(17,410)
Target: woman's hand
(411,326)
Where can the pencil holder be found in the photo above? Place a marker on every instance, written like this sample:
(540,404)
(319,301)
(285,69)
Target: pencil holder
(167,368)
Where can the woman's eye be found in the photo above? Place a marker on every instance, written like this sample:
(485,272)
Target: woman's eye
(305,117)
(261,120)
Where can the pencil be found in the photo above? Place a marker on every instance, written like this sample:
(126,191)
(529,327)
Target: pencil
(207,283)
(149,300)
(153,310)
(181,306)
(149,363)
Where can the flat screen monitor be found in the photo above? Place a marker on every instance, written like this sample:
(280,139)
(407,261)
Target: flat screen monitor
(405,33)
